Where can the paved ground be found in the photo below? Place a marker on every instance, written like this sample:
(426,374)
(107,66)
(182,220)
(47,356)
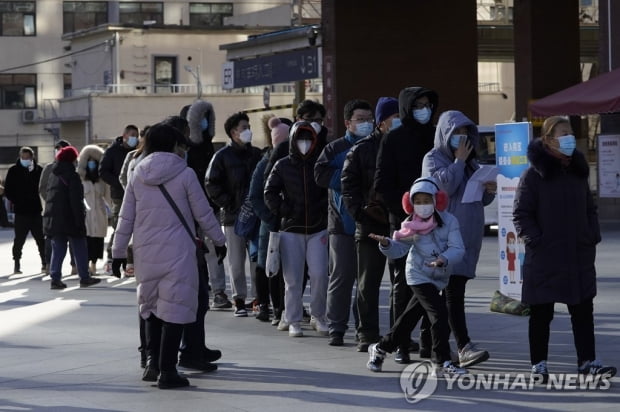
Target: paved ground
(75,350)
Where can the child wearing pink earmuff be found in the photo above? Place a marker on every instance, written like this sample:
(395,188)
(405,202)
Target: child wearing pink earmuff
(432,239)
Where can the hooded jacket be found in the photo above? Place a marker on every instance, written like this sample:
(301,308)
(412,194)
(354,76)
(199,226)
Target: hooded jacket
(96,194)
(64,205)
(292,194)
(164,253)
(453,176)
(111,165)
(357,179)
(399,161)
(21,187)
(555,215)
(201,149)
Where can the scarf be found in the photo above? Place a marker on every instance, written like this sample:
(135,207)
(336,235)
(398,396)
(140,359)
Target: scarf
(415,225)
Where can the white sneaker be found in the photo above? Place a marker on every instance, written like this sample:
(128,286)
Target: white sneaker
(283,325)
(320,325)
(448,368)
(92,268)
(294,330)
(107,268)
(470,355)
(129,271)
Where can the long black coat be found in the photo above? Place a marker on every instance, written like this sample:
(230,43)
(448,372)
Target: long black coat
(65,213)
(554,213)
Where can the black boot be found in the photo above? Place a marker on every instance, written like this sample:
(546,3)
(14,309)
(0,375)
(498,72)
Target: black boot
(153,326)
(172,379)
(263,313)
(151,371)
(17,268)
(170,340)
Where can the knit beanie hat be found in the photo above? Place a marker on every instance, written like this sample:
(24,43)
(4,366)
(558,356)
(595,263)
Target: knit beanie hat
(386,107)
(67,154)
(279,131)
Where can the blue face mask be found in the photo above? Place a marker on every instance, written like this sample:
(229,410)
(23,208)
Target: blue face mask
(204,123)
(422,115)
(91,165)
(132,141)
(567,144)
(395,123)
(25,162)
(363,129)
(455,140)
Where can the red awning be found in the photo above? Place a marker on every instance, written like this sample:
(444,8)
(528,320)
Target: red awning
(598,95)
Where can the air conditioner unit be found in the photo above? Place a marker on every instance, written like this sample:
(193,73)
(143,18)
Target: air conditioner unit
(29,116)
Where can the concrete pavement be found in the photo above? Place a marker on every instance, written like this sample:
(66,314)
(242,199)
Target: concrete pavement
(76,350)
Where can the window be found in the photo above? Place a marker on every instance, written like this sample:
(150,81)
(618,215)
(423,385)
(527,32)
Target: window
(139,12)
(17,18)
(66,83)
(209,14)
(80,15)
(18,91)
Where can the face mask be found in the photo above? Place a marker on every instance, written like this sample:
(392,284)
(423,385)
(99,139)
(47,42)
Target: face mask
(317,127)
(567,144)
(304,146)
(422,115)
(25,162)
(424,211)
(363,129)
(204,123)
(246,136)
(395,123)
(132,141)
(455,140)
(91,165)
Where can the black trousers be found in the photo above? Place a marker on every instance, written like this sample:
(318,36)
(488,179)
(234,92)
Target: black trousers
(582,320)
(162,343)
(426,298)
(24,224)
(268,288)
(370,268)
(193,338)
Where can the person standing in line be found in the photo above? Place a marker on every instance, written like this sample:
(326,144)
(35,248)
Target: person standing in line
(200,117)
(555,215)
(267,287)
(110,171)
(166,265)
(97,198)
(64,218)
(292,194)
(431,239)
(359,122)
(227,183)
(452,162)
(21,188)
(358,174)
(399,163)
(47,170)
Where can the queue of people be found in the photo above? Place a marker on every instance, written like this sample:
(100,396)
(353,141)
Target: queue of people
(389,190)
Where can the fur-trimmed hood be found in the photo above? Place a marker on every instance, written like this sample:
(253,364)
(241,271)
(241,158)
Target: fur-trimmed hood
(91,151)
(197,111)
(546,165)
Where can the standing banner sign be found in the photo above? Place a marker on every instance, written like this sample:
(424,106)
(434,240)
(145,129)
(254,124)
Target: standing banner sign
(609,165)
(511,141)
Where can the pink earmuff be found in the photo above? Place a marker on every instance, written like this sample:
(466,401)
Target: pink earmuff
(441,202)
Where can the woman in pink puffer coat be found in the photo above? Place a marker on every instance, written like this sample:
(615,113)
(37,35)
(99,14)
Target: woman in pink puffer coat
(164,252)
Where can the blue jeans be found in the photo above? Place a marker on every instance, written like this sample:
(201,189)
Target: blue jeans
(59,250)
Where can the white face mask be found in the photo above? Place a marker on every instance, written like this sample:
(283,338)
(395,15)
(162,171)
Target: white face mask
(424,211)
(316,127)
(246,136)
(304,146)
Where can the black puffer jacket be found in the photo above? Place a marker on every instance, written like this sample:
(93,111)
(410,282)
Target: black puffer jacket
(399,161)
(228,178)
(65,212)
(358,175)
(21,187)
(555,215)
(292,193)
(111,165)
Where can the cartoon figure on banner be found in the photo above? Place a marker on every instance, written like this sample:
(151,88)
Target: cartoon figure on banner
(521,257)
(511,254)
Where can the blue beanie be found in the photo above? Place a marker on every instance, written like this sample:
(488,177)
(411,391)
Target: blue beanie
(386,107)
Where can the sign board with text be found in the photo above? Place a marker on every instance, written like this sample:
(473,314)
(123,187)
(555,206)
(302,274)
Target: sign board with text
(277,68)
(609,166)
(511,141)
